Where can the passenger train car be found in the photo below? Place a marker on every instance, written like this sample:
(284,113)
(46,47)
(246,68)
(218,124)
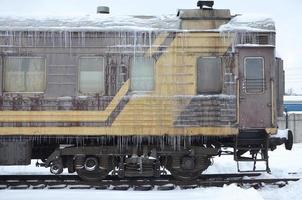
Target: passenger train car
(140,95)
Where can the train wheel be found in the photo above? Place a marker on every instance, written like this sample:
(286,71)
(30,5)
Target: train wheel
(91,170)
(56,166)
(188,168)
(290,141)
(92,176)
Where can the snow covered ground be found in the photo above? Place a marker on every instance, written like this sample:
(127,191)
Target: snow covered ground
(281,162)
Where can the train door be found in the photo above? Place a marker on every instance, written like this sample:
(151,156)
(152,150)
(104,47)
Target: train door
(255,107)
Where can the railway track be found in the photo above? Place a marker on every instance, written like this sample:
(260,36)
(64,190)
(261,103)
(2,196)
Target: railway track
(14,182)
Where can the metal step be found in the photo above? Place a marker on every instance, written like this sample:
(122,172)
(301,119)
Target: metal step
(243,145)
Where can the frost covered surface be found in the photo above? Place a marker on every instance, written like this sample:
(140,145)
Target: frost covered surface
(291,191)
(222,96)
(226,193)
(245,23)
(88,23)
(254,45)
(292,99)
(249,23)
(281,162)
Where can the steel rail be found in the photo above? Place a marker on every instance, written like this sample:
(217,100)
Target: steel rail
(113,182)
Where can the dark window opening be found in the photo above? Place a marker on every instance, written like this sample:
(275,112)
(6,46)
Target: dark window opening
(254,74)
(209,75)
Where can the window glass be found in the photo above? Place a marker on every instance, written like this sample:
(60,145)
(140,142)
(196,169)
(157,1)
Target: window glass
(254,80)
(24,74)
(209,75)
(142,74)
(91,76)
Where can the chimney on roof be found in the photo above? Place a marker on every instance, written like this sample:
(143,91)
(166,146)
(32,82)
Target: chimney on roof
(205,18)
(208,4)
(103,10)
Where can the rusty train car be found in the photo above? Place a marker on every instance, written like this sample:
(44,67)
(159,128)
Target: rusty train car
(139,95)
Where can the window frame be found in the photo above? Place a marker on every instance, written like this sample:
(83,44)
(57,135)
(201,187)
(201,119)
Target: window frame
(79,72)
(221,74)
(120,74)
(263,74)
(18,92)
(154,74)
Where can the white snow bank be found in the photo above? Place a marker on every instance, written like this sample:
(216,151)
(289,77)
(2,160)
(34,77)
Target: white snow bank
(291,191)
(88,23)
(21,170)
(249,23)
(231,192)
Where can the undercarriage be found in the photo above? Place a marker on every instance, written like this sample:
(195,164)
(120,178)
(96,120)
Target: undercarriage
(94,158)
(93,163)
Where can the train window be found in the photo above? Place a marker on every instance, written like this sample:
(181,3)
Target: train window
(254,74)
(142,74)
(209,75)
(91,75)
(24,74)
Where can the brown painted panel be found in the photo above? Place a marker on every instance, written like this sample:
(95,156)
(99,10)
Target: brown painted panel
(280,87)
(1,70)
(256,109)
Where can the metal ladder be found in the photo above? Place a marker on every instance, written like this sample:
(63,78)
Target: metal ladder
(258,149)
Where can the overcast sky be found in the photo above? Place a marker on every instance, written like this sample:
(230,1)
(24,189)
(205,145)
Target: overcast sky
(287,14)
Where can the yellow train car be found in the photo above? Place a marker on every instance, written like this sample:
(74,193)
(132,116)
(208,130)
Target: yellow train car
(136,96)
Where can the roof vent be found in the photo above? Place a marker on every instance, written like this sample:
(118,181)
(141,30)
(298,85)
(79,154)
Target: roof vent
(102,10)
(208,4)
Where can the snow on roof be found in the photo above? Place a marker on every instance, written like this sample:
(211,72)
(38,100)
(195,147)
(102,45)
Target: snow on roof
(94,22)
(97,22)
(249,23)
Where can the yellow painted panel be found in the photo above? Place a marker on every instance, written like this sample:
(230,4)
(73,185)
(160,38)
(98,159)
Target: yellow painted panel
(176,69)
(158,41)
(151,124)
(202,24)
(271,131)
(119,131)
(52,118)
